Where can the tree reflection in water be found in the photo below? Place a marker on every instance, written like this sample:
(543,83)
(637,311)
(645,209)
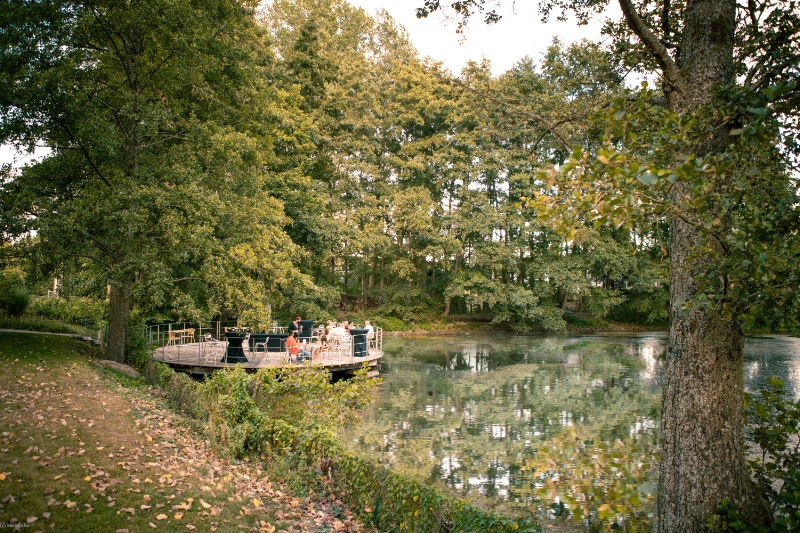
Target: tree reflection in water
(550,425)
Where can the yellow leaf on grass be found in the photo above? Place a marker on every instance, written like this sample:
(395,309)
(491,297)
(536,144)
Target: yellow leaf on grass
(87,478)
(256,502)
(178,516)
(204,504)
(162,516)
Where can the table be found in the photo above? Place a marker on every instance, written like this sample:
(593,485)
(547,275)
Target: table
(359,342)
(179,336)
(313,349)
(234,352)
(310,348)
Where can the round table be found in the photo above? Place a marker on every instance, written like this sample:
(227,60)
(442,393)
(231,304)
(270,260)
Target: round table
(234,352)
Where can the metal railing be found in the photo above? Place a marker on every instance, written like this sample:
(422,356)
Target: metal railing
(187,343)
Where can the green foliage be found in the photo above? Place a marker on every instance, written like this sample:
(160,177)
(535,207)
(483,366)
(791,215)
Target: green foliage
(14,296)
(294,415)
(74,310)
(726,519)
(392,502)
(774,431)
(774,424)
(30,323)
(16,301)
(650,308)
(584,322)
(599,302)
(390,323)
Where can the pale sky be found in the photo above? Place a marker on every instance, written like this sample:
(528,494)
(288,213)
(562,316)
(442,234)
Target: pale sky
(519,33)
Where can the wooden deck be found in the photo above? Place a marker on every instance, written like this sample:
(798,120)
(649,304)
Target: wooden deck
(204,358)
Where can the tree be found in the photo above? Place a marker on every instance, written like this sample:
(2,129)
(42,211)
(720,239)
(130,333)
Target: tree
(164,133)
(729,95)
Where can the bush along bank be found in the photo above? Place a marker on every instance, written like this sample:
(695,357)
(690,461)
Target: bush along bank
(291,416)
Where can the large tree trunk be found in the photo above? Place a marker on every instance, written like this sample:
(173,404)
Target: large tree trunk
(118,314)
(702,459)
(702,410)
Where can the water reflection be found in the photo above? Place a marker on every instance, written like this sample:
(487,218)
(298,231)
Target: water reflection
(550,425)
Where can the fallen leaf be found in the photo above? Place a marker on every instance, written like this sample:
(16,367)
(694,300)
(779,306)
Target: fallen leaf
(256,502)
(204,504)
(162,516)
(190,527)
(152,525)
(178,516)
(32,519)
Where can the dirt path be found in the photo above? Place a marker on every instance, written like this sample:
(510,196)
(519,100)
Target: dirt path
(85,449)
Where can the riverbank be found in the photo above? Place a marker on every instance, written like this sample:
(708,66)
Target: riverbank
(481,328)
(85,448)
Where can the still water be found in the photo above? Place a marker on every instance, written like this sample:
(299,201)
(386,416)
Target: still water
(556,426)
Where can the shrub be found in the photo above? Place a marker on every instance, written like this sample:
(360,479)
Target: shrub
(391,323)
(90,312)
(774,423)
(16,301)
(14,296)
(774,428)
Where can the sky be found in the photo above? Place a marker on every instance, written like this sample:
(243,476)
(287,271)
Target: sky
(519,33)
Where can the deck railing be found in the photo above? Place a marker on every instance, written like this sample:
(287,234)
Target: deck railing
(186,343)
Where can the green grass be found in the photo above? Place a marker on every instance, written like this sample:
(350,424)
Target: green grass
(65,437)
(35,323)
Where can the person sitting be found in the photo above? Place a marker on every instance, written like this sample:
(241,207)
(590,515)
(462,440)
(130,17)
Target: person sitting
(370,329)
(293,347)
(338,331)
(326,331)
(295,326)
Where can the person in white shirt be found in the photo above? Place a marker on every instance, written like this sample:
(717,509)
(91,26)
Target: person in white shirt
(369,328)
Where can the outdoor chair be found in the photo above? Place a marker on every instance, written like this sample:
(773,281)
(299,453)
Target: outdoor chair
(172,338)
(187,336)
(211,348)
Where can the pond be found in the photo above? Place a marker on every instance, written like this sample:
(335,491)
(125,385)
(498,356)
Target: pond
(558,426)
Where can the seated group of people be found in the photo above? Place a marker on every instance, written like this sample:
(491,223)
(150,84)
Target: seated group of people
(330,331)
(333,329)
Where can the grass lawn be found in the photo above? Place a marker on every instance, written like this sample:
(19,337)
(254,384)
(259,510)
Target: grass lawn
(86,449)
